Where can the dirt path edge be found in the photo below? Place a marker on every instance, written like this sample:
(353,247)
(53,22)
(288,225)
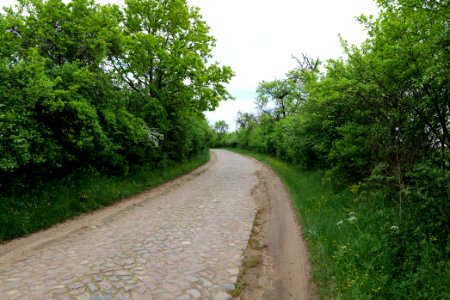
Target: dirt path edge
(283,269)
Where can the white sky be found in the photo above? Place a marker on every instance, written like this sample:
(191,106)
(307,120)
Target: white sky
(258,37)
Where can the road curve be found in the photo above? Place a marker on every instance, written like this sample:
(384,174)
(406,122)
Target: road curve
(183,240)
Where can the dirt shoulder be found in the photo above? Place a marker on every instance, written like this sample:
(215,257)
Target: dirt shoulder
(276,262)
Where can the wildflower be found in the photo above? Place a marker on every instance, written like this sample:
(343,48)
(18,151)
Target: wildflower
(394,228)
(340,223)
(341,251)
(352,219)
(355,188)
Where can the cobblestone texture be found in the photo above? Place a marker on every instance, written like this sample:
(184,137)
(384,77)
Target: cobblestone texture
(184,244)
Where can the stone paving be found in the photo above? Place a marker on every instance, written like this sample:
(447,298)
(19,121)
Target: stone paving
(184,244)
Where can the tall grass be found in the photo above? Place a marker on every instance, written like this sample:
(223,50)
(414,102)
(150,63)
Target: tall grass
(349,235)
(61,199)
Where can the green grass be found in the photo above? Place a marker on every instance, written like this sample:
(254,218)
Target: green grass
(61,199)
(349,236)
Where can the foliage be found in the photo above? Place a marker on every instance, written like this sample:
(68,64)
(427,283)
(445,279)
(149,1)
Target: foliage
(353,239)
(166,58)
(376,121)
(85,85)
(220,130)
(221,127)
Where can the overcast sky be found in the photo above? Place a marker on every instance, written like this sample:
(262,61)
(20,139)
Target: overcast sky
(257,38)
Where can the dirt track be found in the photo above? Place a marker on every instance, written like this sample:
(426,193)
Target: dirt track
(182,240)
(284,270)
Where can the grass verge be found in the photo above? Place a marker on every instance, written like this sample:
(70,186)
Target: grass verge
(62,199)
(349,236)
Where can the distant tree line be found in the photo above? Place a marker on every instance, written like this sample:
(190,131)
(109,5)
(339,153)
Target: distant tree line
(84,85)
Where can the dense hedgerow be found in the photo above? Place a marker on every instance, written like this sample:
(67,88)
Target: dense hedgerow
(375,122)
(84,85)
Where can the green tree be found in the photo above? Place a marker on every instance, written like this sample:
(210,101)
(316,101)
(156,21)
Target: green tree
(166,59)
(221,127)
(60,108)
(165,63)
(282,97)
(80,31)
(245,120)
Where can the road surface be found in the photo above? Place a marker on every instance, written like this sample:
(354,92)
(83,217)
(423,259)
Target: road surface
(182,240)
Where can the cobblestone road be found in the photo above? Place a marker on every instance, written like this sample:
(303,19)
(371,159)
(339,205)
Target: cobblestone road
(185,243)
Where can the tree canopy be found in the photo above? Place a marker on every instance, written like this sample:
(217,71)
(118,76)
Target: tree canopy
(88,85)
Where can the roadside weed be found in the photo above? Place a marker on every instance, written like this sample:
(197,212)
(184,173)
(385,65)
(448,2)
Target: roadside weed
(356,243)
